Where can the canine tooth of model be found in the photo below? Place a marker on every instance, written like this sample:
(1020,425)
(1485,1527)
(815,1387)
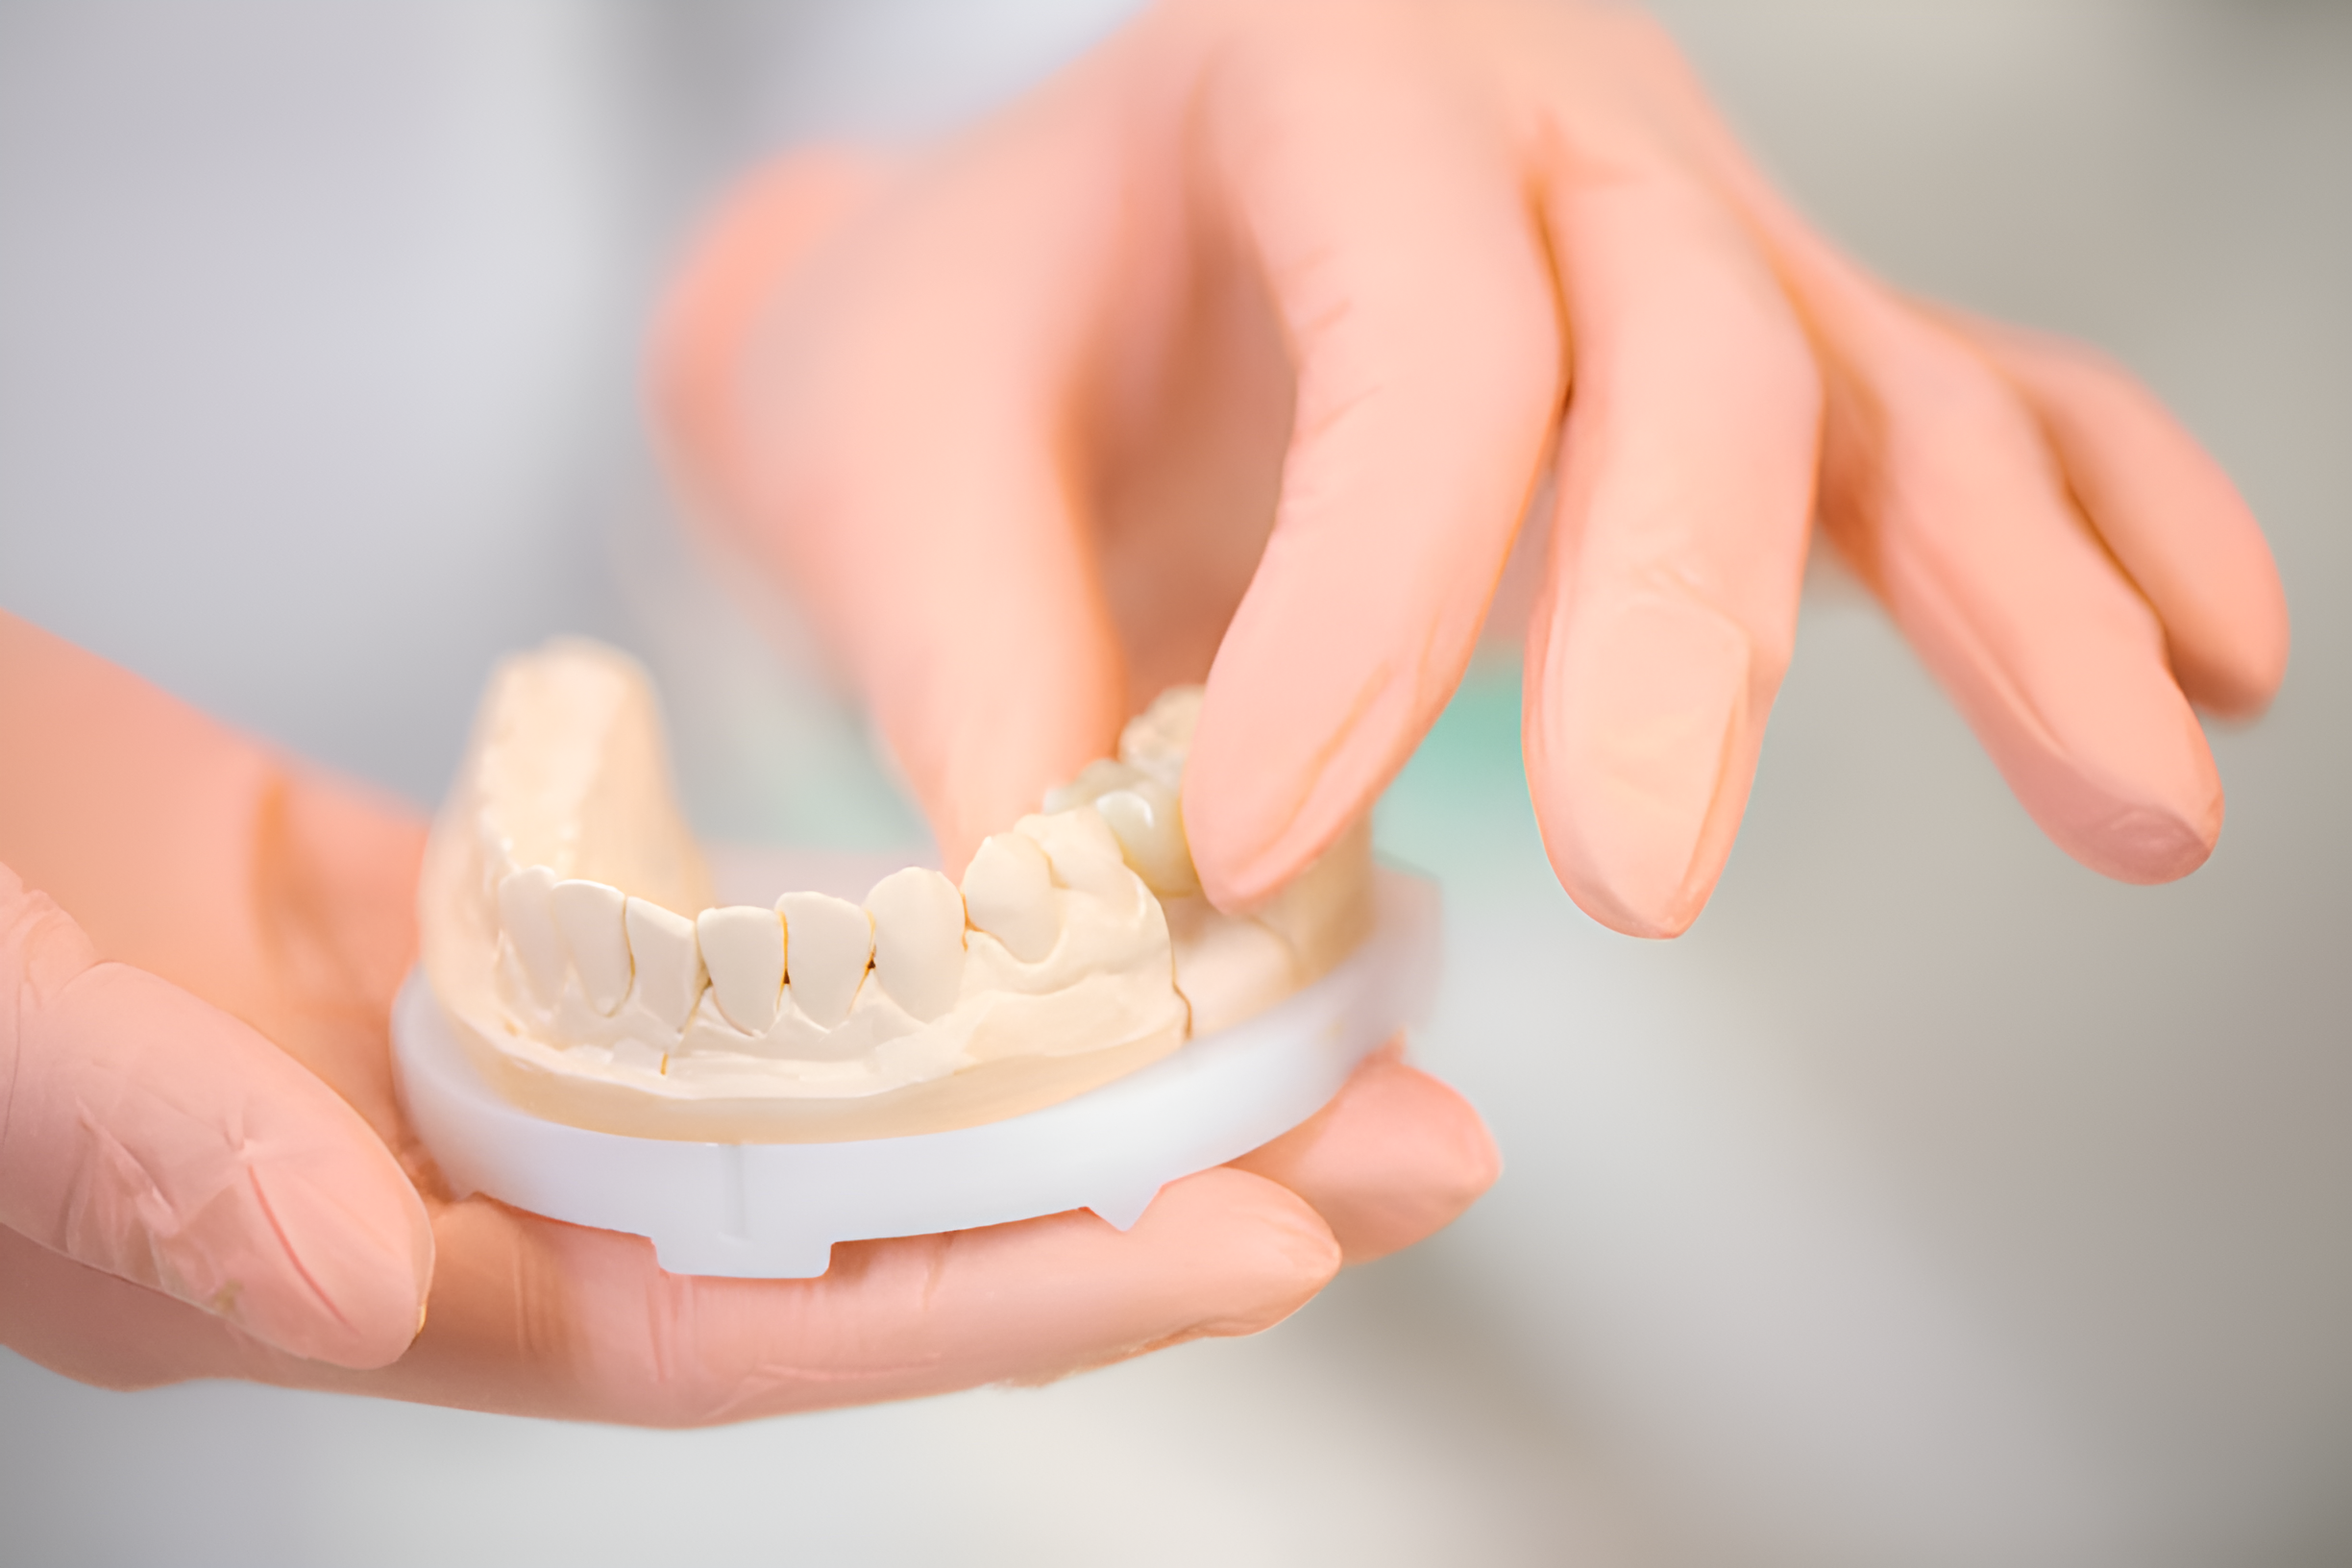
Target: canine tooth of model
(742,947)
(918,941)
(1008,892)
(1149,821)
(826,944)
(531,930)
(591,918)
(670,973)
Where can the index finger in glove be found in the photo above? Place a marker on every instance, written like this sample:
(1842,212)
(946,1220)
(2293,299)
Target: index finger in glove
(147,1133)
(1402,254)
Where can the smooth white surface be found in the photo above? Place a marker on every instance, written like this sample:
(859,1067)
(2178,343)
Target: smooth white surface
(774,1210)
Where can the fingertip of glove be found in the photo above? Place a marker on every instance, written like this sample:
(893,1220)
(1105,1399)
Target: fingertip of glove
(222,1173)
(1636,884)
(340,1277)
(1641,728)
(1468,1151)
(1241,852)
(1396,1156)
(1233,888)
(2150,846)
(1265,1249)
(1660,920)
(1240,880)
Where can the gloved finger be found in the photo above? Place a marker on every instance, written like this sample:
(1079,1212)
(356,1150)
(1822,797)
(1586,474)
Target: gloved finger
(1940,487)
(1394,1157)
(533,1317)
(897,424)
(1398,245)
(1685,495)
(156,1138)
(2165,507)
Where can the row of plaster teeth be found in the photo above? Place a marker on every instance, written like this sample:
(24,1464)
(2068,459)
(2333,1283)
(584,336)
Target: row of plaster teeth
(618,946)
(910,933)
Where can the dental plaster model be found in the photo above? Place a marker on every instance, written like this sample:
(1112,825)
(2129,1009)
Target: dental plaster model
(593,1039)
(570,936)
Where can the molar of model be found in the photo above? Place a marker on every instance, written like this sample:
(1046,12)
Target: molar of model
(1009,894)
(669,972)
(1139,794)
(1158,740)
(1228,965)
(827,945)
(918,941)
(742,947)
(591,919)
(1096,779)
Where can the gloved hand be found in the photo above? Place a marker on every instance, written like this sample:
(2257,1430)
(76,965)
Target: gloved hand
(203,1173)
(1018,412)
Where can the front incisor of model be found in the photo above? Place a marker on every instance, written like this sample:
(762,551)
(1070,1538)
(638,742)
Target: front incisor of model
(828,942)
(742,947)
(669,962)
(568,929)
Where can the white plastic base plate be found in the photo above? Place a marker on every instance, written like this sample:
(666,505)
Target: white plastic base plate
(774,1210)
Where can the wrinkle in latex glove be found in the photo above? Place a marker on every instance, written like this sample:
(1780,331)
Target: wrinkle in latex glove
(148,1135)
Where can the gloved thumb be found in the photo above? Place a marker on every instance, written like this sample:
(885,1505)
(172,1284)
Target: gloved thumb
(148,1134)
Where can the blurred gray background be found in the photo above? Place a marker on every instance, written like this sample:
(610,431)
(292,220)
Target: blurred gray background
(1933,1202)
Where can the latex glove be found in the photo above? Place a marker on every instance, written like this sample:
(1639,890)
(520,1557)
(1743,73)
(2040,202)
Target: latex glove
(1018,412)
(203,1173)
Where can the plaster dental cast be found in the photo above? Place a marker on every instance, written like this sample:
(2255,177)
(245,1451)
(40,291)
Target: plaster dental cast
(595,1036)
(569,934)
(1243,353)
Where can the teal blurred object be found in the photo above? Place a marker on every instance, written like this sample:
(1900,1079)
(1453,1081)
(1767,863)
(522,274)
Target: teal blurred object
(1460,808)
